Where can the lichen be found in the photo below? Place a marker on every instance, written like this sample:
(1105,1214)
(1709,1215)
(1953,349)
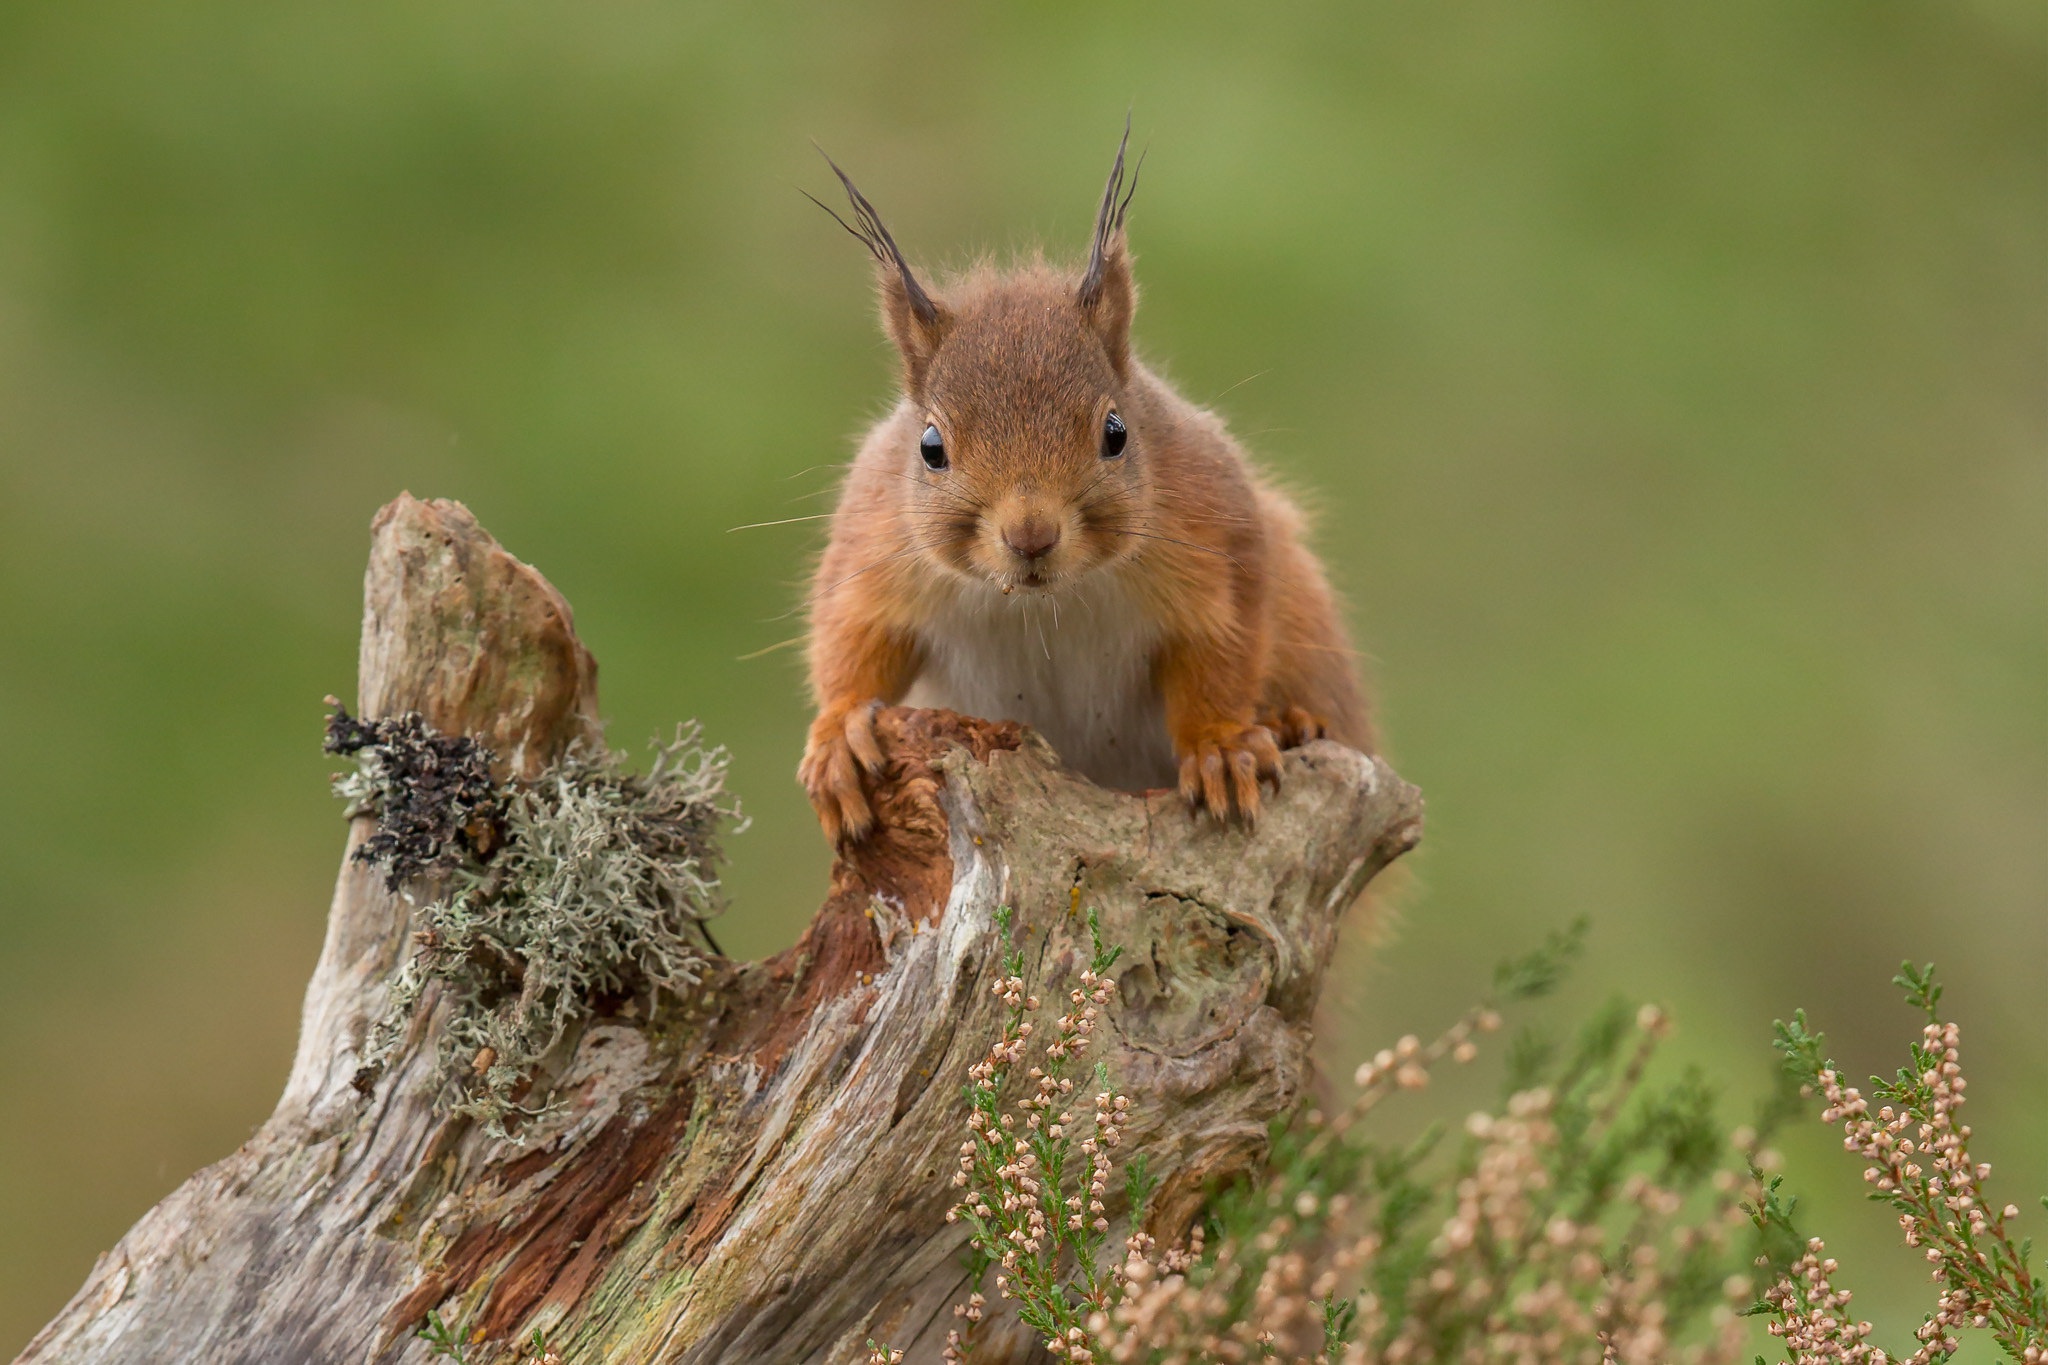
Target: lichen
(437,807)
(592,890)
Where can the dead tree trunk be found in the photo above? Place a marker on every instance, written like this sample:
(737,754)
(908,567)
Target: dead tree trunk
(761,1171)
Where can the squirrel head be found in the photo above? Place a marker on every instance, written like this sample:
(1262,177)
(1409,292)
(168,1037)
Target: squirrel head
(1027,466)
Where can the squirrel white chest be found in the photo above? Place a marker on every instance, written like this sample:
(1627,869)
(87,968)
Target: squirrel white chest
(1076,667)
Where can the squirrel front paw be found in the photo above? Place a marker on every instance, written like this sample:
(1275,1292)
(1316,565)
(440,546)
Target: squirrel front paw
(1293,726)
(1221,766)
(841,748)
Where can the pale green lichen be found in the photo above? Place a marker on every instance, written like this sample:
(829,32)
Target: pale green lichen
(596,895)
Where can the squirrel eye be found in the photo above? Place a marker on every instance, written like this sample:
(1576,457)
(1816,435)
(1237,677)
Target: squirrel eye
(1113,436)
(933,447)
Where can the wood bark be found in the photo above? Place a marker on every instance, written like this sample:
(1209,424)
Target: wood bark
(761,1171)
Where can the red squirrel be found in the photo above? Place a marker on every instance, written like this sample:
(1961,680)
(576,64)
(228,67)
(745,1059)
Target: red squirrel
(1042,530)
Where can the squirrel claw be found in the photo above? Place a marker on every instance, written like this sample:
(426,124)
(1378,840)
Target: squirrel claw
(842,746)
(860,737)
(1294,726)
(1222,769)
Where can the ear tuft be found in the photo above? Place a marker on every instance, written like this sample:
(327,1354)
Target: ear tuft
(914,320)
(1107,293)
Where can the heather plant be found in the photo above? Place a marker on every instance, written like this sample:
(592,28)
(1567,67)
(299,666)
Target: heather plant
(446,1340)
(1037,1200)
(1919,1164)
(1589,1214)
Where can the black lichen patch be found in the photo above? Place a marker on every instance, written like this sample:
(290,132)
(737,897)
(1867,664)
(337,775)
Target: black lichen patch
(437,808)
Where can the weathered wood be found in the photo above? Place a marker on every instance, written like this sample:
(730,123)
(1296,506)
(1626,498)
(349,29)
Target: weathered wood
(761,1171)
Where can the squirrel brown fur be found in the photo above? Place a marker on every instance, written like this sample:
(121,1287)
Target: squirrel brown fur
(1043,530)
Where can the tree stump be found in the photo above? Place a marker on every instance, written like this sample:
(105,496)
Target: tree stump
(761,1170)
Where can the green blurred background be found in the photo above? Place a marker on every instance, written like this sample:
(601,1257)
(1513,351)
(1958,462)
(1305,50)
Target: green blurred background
(1669,378)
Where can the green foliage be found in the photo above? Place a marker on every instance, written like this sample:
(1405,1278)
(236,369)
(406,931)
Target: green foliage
(1539,971)
(1139,1187)
(1923,992)
(1800,1046)
(445,1341)
(599,890)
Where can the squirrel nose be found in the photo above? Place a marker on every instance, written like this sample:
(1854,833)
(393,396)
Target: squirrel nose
(1032,538)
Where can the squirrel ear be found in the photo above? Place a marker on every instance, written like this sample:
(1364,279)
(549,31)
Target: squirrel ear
(912,318)
(1108,296)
